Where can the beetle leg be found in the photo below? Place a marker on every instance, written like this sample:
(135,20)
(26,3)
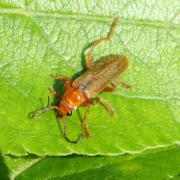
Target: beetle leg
(60,77)
(105,104)
(110,89)
(65,133)
(88,102)
(68,84)
(89,60)
(122,84)
(86,132)
(53,92)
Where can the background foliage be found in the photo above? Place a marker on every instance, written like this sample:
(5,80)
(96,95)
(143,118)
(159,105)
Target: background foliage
(40,38)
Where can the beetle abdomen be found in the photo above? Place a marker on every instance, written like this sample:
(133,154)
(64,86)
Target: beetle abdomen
(101,74)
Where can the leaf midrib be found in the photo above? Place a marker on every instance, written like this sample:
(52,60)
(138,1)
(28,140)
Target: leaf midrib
(135,21)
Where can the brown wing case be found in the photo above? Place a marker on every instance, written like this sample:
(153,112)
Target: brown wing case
(107,69)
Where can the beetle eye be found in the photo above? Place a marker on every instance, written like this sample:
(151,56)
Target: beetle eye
(69,113)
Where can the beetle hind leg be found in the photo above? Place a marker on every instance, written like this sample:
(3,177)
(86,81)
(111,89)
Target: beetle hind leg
(110,89)
(105,104)
(123,84)
(89,60)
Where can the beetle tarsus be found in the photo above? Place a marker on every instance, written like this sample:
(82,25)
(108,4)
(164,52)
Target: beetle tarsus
(73,141)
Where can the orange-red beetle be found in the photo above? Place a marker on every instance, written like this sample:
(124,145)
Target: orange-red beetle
(81,91)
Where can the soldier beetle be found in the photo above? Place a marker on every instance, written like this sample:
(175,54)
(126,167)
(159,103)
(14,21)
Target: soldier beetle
(84,90)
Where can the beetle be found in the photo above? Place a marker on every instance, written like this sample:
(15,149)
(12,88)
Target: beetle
(84,90)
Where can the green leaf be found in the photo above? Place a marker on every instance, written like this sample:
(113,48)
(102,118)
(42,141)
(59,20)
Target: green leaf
(43,38)
(161,164)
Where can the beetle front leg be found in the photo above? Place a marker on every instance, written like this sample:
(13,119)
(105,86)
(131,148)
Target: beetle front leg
(53,92)
(67,85)
(60,77)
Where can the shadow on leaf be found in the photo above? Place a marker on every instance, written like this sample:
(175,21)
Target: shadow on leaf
(4,171)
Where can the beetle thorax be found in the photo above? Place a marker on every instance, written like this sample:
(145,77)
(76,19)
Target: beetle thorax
(74,97)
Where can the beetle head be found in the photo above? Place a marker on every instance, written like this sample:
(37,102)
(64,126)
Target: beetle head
(65,109)
(71,99)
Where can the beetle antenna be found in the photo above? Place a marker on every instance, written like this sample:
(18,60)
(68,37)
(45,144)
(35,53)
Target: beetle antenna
(65,133)
(38,112)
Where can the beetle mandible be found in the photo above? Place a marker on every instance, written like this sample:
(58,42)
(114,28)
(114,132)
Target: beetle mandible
(84,90)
